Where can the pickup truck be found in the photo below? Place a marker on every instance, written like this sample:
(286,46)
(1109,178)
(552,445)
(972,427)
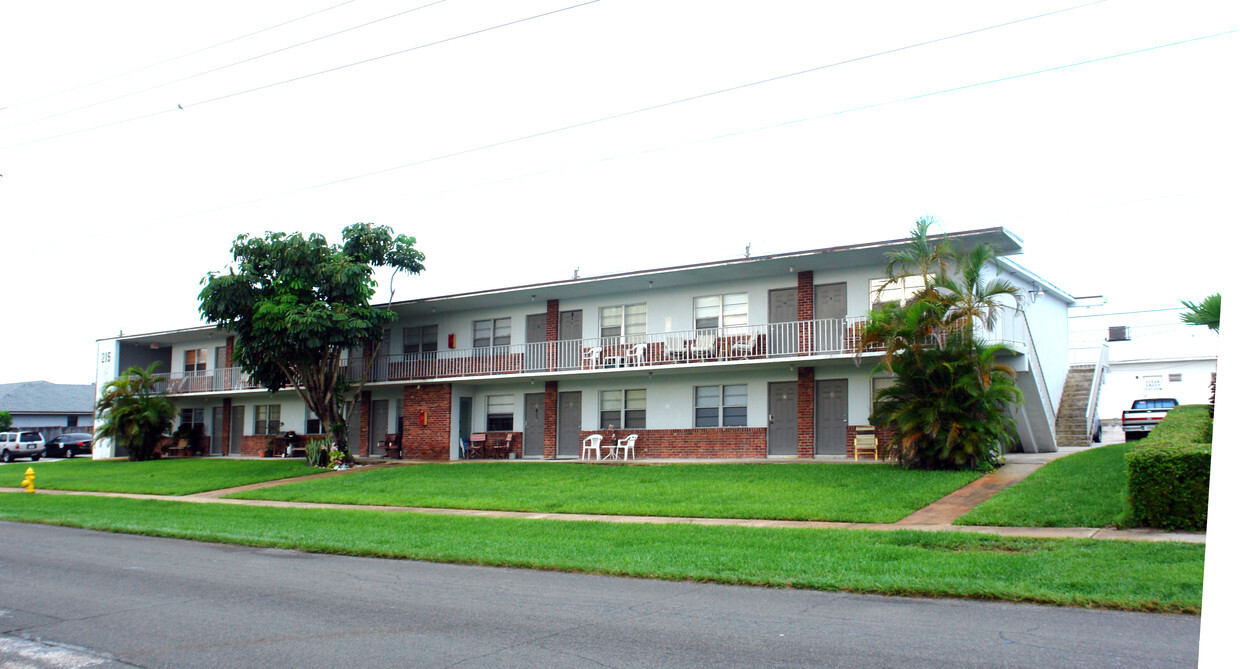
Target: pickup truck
(1145,415)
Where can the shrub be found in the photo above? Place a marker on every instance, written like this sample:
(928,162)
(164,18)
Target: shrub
(316,452)
(1169,472)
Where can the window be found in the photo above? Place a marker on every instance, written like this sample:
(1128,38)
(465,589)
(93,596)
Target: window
(499,413)
(877,384)
(713,311)
(192,418)
(422,341)
(1174,378)
(622,320)
(313,424)
(492,332)
(900,291)
(195,361)
(622,409)
(709,402)
(267,419)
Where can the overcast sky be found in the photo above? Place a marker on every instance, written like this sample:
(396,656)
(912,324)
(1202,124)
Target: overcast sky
(520,140)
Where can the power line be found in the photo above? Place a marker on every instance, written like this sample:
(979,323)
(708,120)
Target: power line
(181,107)
(225,67)
(184,55)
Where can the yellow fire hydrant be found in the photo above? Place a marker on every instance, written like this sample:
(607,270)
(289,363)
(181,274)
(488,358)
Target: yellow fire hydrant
(28,482)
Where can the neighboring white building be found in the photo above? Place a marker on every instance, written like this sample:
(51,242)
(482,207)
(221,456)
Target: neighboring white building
(43,404)
(1149,353)
(747,357)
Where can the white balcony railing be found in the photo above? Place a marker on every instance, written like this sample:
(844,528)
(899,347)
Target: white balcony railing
(824,337)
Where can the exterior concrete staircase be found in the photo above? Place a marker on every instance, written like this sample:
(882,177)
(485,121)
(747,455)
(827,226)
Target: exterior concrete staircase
(1071,423)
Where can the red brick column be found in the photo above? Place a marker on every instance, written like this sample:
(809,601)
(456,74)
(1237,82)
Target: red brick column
(363,424)
(226,438)
(228,351)
(551,405)
(805,412)
(432,441)
(553,332)
(805,312)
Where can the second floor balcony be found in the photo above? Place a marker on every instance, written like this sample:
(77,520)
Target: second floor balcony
(823,338)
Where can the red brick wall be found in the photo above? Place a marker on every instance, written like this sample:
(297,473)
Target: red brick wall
(363,425)
(805,296)
(805,412)
(725,442)
(884,434)
(551,413)
(429,442)
(553,320)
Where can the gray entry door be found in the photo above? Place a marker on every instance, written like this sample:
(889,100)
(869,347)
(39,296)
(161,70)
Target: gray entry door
(569,347)
(781,425)
(781,308)
(236,430)
(568,426)
(536,334)
(378,426)
(465,423)
(354,429)
(535,425)
(831,417)
(217,429)
(830,303)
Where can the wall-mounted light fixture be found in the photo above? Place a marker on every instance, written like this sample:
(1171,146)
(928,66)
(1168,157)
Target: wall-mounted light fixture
(1035,293)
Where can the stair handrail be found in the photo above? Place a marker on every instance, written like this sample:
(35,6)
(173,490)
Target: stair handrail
(1035,366)
(1095,387)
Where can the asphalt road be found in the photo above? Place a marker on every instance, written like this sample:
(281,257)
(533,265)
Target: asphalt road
(75,598)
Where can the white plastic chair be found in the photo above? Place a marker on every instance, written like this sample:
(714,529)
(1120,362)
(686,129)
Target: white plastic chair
(746,346)
(703,346)
(628,445)
(635,355)
(590,357)
(592,443)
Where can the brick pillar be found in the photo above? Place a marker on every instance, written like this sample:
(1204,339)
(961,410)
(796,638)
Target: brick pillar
(363,424)
(228,351)
(225,446)
(805,412)
(551,405)
(805,312)
(433,440)
(553,331)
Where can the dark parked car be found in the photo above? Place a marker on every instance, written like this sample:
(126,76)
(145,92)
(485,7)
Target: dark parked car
(69,445)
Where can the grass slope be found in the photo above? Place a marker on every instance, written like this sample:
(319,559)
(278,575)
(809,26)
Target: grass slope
(848,493)
(178,476)
(1086,489)
(1164,577)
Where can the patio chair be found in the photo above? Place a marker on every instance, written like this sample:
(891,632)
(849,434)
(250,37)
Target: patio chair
(592,443)
(591,357)
(703,346)
(674,348)
(477,446)
(628,445)
(865,440)
(503,447)
(391,446)
(635,355)
(746,346)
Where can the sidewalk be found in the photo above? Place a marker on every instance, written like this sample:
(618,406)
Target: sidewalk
(936,517)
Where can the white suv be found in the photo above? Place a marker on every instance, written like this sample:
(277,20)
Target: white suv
(21,444)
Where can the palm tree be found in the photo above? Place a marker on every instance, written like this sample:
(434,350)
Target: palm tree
(1208,313)
(969,294)
(133,413)
(921,257)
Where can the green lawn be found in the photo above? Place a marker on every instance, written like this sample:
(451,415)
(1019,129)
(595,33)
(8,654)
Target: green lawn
(1164,577)
(848,493)
(172,476)
(1086,489)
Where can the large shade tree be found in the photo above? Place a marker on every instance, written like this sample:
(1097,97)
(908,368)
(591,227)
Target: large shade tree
(948,405)
(134,413)
(297,305)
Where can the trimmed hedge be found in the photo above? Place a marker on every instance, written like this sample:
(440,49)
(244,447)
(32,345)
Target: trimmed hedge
(1169,471)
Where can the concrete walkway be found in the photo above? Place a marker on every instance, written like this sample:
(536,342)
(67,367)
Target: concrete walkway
(936,517)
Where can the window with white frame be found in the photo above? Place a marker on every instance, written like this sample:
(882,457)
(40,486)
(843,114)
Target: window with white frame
(726,311)
(499,413)
(622,409)
(901,291)
(267,419)
(192,418)
(313,424)
(622,320)
(421,341)
(492,332)
(877,384)
(195,361)
(713,403)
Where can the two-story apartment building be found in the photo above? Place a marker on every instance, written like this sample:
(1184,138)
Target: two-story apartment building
(748,357)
